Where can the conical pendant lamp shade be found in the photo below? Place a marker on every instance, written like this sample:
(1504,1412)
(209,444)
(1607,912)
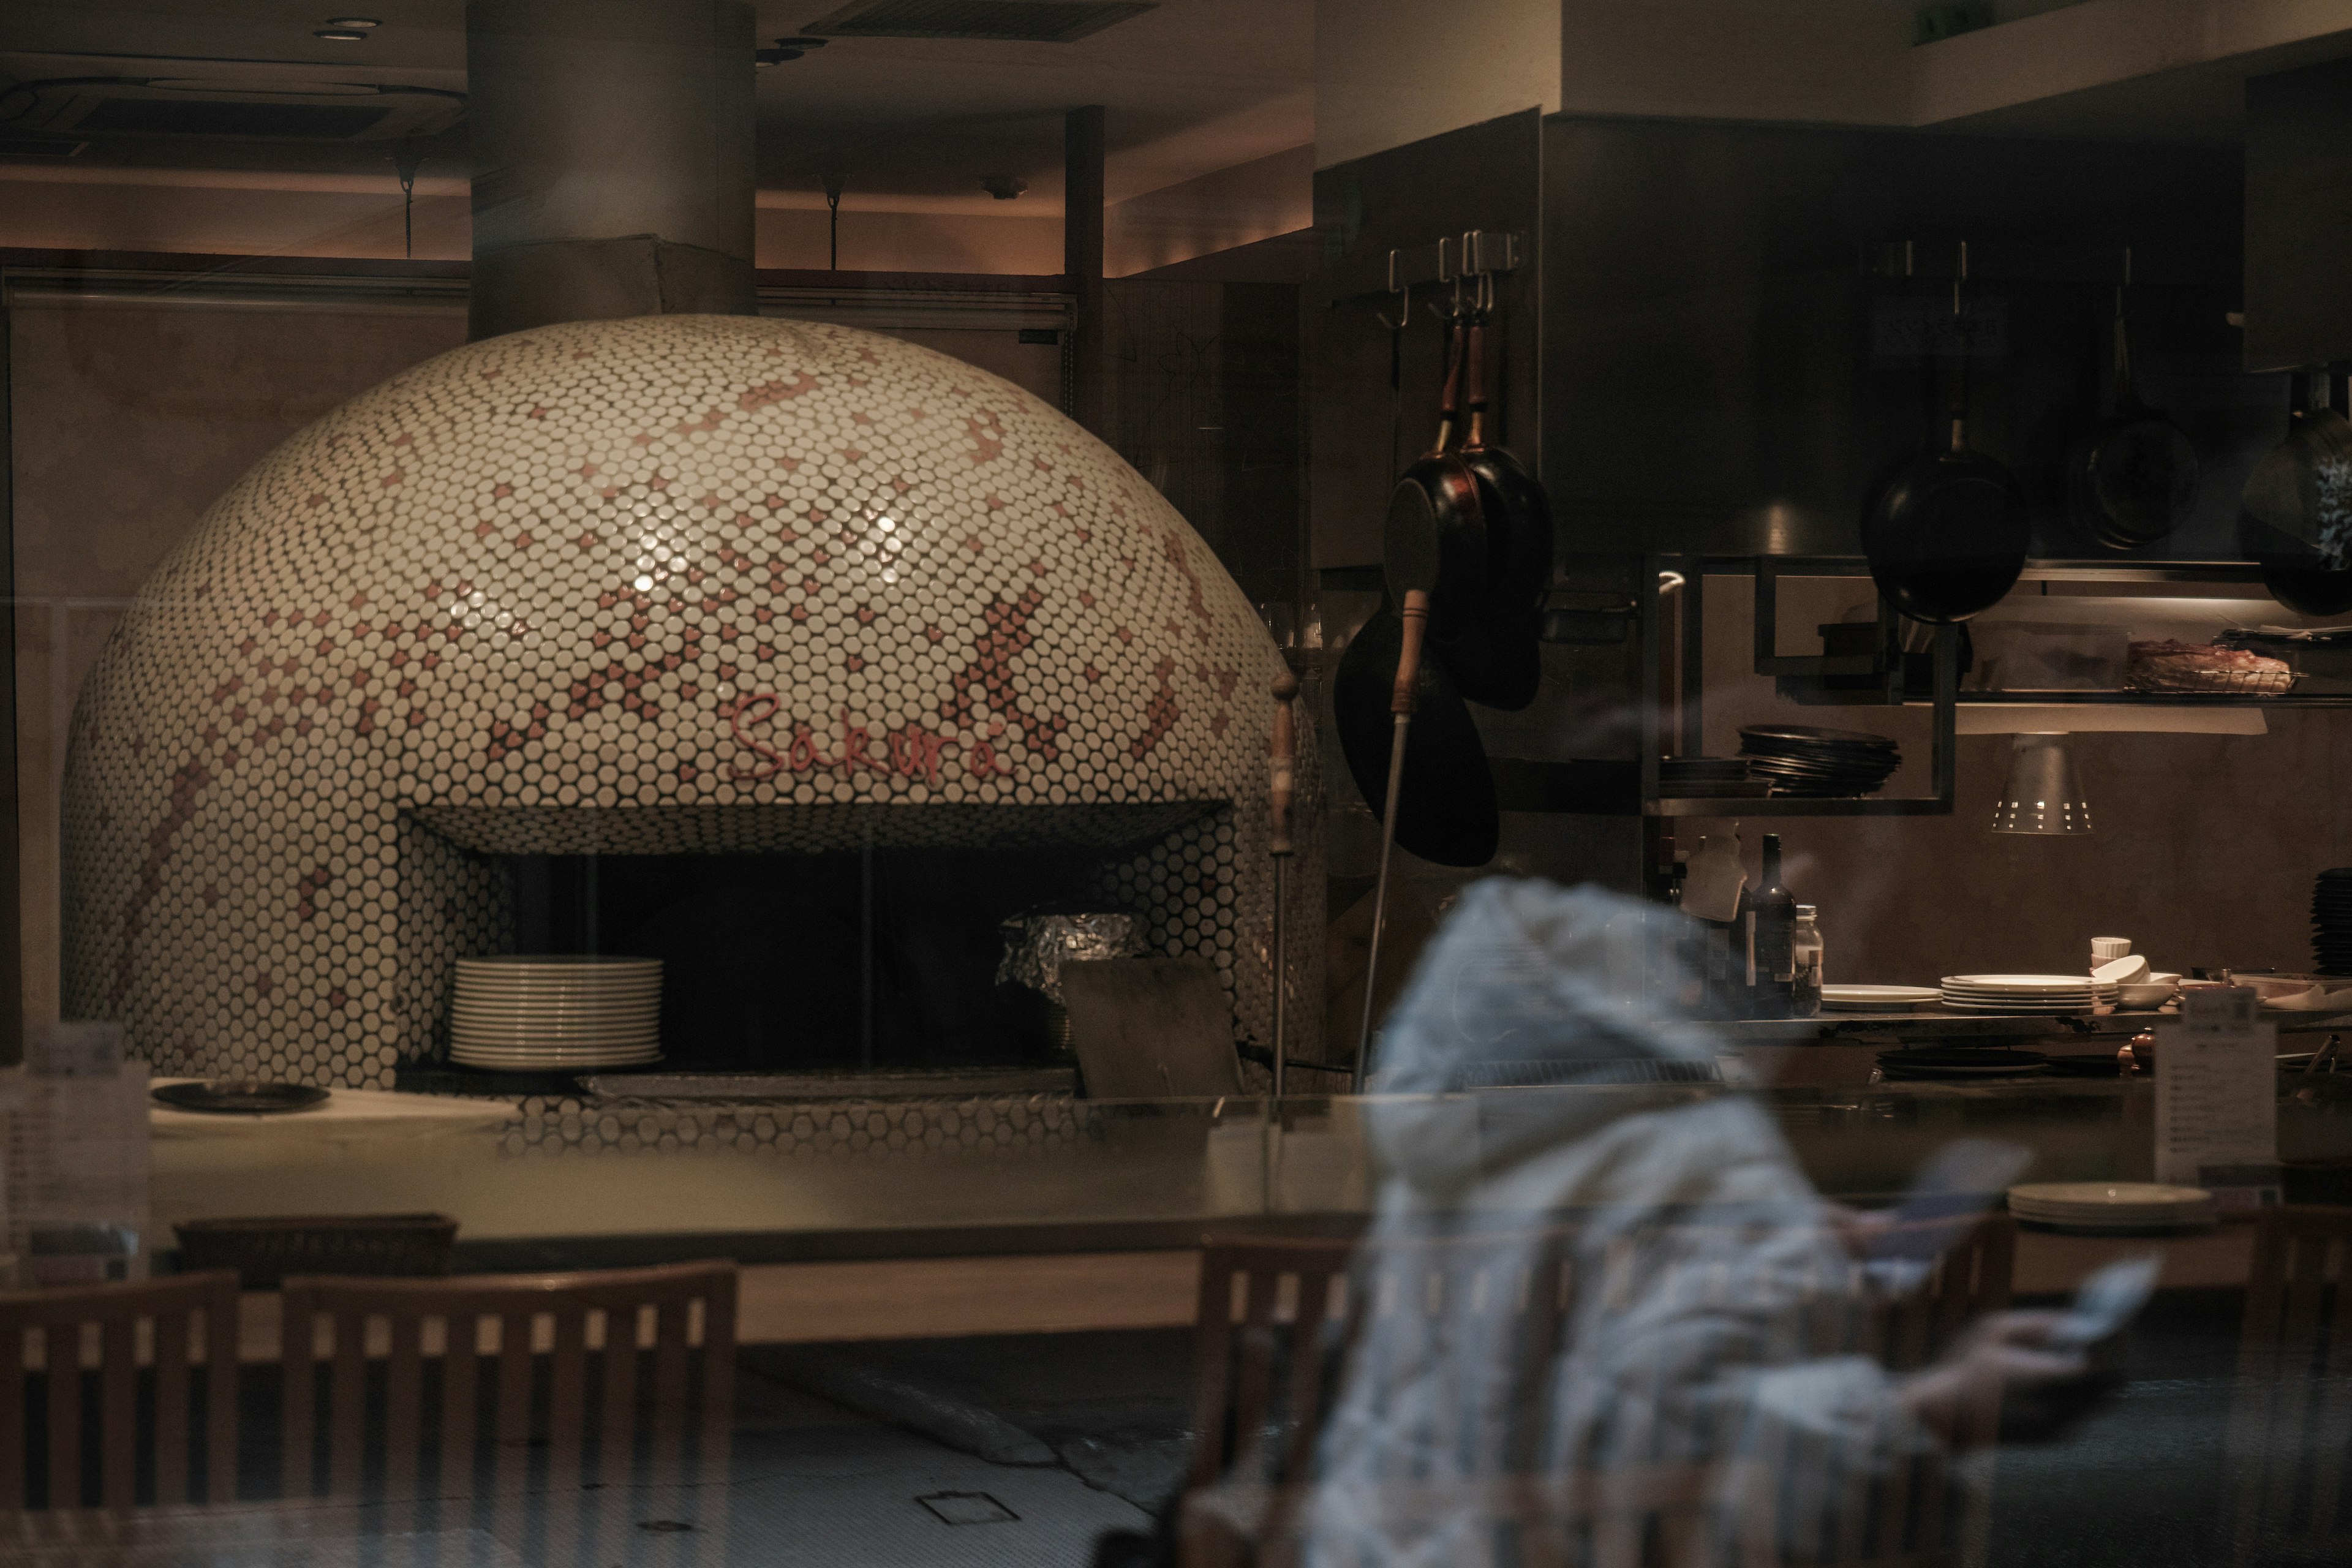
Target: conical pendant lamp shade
(2043,793)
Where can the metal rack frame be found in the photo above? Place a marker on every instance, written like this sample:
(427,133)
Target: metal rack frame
(1767,570)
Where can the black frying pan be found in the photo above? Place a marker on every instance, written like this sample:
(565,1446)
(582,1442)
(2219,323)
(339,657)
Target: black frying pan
(1447,812)
(1500,663)
(2138,478)
(2284,519)
(1435,539)
(1947,535)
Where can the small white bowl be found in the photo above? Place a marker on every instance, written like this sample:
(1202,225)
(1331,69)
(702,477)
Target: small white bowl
(2143,995)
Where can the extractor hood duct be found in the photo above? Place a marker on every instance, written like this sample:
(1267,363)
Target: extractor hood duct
(612,145)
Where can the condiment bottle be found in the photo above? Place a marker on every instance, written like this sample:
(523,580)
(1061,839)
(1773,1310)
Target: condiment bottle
(1805,993)
(1768,919)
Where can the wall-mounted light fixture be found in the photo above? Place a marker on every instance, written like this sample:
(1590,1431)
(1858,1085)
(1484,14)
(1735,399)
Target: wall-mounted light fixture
(1004,187)
(2042,794)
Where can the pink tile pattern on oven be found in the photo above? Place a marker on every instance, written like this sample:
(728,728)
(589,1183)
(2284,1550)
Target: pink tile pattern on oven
(667,583)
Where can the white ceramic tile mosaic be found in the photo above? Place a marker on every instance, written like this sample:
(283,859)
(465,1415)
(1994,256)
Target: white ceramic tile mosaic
(667,584)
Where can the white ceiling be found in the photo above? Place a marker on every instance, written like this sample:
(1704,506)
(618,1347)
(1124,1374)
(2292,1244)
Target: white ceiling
(1193,87)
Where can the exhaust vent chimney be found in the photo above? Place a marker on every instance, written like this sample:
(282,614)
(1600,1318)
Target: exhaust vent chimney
(612,146)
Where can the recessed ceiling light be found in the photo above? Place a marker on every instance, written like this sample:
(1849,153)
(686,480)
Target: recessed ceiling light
(362,23)
(341,35)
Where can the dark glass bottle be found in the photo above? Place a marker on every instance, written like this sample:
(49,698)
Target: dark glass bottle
(1771,934)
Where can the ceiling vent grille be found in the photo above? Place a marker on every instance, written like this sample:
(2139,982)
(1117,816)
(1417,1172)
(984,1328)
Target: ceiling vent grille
(1003,21)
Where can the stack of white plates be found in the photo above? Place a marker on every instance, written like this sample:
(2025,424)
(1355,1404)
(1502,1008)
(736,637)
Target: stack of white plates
(2024,993)
(2112,1206)
(533,1012)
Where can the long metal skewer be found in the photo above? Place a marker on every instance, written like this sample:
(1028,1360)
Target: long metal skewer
(1415,614)
(1283,794)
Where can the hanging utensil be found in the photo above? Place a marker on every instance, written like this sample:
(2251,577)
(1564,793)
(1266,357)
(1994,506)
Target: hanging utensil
(1282,794)
(1500,660)
(2137,480)
(2295,517)
(1435,539)
(1947,535)
(1414,617)
(1448,815)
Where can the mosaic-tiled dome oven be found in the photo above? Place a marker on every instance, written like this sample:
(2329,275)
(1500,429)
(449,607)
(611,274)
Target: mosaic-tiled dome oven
(663,586)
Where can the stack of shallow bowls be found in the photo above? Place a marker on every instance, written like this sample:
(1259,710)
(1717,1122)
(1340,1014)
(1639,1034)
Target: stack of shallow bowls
(2036,993)
(2331,922)
(555,1012)
(2111,1206)
(1806,760)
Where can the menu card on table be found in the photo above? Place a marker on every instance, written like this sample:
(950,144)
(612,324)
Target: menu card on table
(2216,1100)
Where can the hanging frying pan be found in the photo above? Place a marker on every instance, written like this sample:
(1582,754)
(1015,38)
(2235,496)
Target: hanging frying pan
(2297,514)
(2137,479)
(1447,811)
(1947,535)
(1500,663)
(1435,539)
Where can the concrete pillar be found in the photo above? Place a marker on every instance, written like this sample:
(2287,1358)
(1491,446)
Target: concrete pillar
(612,145)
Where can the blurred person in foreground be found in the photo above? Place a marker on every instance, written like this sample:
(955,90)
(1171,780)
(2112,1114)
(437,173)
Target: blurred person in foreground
(1702,1264)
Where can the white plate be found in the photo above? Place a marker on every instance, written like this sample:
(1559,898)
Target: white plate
(1876,995)
(569,1064)
(468,986)
(551,1049)
(2106,1196)
(2020,982)
(571,961)
(638,1007)
(558,1058)
(618,1035)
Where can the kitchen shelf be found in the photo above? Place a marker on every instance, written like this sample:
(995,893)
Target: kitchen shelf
(1794,805)
(2150,699)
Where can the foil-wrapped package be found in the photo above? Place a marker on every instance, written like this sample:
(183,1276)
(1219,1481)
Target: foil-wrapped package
(1037,946)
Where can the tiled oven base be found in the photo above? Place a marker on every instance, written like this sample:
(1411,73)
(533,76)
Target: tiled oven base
(576,1125)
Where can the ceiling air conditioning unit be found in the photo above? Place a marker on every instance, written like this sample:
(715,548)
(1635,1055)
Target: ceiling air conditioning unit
(1003,21)
(246,108)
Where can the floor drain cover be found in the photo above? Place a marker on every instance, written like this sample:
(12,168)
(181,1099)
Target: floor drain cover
(967,1508)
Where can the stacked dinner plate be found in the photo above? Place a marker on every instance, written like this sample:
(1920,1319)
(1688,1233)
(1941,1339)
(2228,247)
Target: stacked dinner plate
(1878,998)
(1691,778)
(1804,760)
(2331,922)
(2105,1206)
(2038,994)
(550,1012)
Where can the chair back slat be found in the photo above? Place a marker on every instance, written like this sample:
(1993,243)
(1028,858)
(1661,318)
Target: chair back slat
(461,1377)
(567,1394)
(173,1331)
(62,1355)
(118,1412)
(70,1325)
(404,1404)
(616,1432)
(347,1406)
(535,1420)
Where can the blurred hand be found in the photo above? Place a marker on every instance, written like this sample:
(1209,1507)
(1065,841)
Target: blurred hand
(2005,1357)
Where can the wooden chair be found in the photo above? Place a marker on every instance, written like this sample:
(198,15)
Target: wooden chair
(114,1331)
(2290,1432)
(1277,1320)
(482,1337)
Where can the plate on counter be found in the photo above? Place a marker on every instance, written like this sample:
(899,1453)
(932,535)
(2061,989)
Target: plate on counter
(1878,998)
(2098,1207)
(1959,1063)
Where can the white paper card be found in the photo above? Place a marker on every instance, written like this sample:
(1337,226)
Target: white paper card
(2216,1072)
